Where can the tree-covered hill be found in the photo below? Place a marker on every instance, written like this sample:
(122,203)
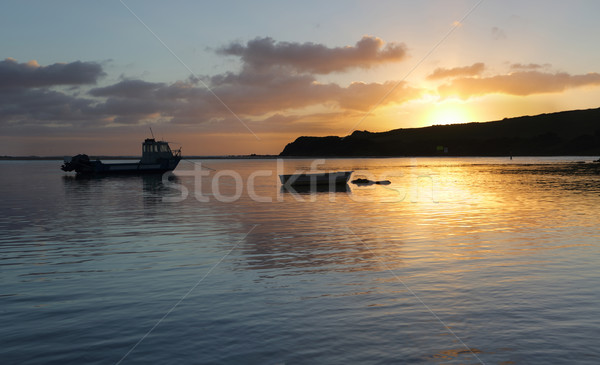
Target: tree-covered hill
(574,133)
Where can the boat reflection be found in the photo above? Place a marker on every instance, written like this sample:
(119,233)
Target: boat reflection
(147,178)
(149,186)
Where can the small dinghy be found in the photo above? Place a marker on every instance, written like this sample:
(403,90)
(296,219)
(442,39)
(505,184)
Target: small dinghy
(323,178)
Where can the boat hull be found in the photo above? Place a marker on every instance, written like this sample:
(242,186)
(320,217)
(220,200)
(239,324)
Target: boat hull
(324,178)
(101,168)
(134,168)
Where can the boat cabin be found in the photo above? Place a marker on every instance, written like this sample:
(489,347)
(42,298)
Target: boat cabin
(153,151)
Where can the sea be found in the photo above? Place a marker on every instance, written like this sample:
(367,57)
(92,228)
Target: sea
(455,261)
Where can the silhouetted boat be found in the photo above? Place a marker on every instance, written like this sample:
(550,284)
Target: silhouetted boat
(157,157)
(323,178)
(315,189)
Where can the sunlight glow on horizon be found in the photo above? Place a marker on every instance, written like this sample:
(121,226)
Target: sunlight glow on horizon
(448,112)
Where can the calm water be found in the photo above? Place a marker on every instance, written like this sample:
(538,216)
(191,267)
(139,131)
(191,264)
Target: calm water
(458,261)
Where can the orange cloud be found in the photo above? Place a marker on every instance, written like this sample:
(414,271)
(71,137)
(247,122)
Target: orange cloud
(248,94)
(517,83)
(441,73)
(362,96)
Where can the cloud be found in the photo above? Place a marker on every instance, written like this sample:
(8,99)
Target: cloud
(31,74)
(261,97)
(362,96)
(42,106)
(277,84)
(262,53)
(288,123)
(250,96)
(440,73)
(529,66)
(134,101)
(128,89)
(518,83)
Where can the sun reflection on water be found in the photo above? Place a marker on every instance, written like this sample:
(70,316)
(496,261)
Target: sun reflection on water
(504,254)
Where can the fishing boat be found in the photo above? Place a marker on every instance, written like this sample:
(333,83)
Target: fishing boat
(323,178)
(157,157)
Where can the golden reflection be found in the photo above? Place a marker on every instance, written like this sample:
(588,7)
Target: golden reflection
(457,215)
(477,212)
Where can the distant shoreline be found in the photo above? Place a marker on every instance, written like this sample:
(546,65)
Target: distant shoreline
(103,157)
(273,157)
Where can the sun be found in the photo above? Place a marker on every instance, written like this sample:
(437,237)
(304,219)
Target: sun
(448,113)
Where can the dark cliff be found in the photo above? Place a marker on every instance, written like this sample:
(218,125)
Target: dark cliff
(574,133)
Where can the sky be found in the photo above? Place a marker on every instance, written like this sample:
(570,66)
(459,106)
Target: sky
(229,78)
